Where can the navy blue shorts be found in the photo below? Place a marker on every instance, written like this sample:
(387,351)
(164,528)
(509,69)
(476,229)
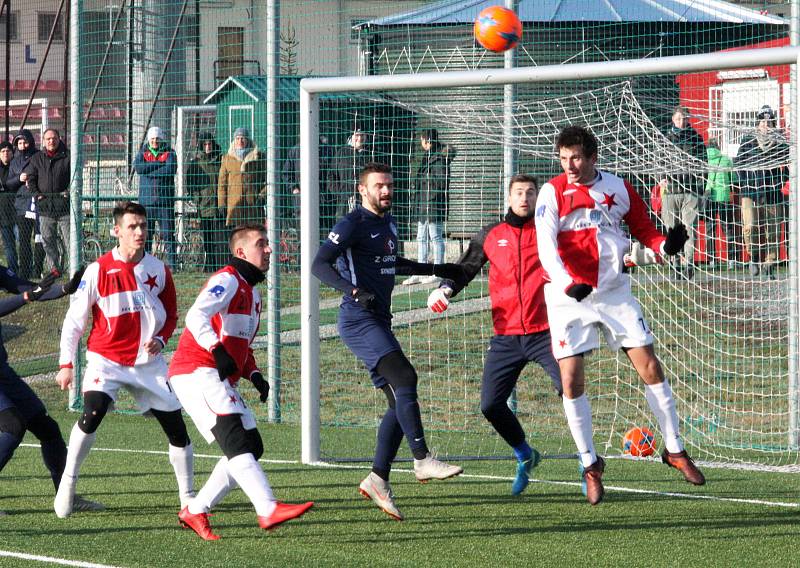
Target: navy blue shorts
(508,355)
(370,339)
(15,393)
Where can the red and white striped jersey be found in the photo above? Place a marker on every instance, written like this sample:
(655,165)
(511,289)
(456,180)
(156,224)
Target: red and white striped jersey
(130,302)
(579,233)
(227,311)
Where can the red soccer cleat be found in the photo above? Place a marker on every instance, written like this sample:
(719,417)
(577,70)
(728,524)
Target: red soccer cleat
(198,523)
(283,512)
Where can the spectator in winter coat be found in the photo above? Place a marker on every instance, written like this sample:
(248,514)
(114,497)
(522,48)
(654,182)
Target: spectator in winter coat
(429,199)
(763,162)
(347,164)
(242,182)
(31,260)
(49,179)
(719,203)
(7,216)
(156,164)
(202,184)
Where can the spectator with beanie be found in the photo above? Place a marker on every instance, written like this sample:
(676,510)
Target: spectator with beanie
(31,260)
(7,216)
(242,182)
(156,164)
(48,180)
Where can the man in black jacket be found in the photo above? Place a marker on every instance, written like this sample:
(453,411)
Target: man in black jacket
(7,217)
(31,260)
(48,179)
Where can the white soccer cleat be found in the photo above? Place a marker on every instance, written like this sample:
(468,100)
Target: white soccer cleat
(431,468)
(411,280)
(82,504)
(65,498)
(379,490)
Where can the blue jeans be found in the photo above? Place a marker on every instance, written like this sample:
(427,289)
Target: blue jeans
(57,250)
(163,213)
(426,231)
(10,246)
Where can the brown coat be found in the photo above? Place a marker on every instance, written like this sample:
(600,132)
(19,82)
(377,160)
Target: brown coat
(241,188)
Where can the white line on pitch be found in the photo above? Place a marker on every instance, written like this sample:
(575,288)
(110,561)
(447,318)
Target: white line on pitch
(51,560)
(482,476)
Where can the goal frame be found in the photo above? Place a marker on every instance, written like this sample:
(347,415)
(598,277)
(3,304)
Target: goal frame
(311,89)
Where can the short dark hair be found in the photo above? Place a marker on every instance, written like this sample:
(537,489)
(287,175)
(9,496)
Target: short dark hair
(373,168)
(577,136)
(523,178)
(52,130)
(123,207)
(430,134)
(240,230)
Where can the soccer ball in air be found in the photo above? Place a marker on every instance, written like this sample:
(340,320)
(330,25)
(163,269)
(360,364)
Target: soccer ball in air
(639,442)
(498,29)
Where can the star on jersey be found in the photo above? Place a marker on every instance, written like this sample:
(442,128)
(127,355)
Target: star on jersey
(151,281)
(562,343)
(608,201)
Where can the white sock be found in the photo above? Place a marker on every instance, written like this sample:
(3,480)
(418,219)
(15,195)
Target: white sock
(251,478)
(182,460)
(661,402)
(218,485)
(79,445)
(579,417)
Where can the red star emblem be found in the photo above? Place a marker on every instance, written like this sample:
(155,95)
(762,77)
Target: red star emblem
(608,201)
(233,399)
(151,281)
(562,343)
(97,381)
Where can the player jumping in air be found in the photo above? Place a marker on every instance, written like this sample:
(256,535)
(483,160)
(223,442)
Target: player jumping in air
(213,354)
(519,315)
(360,259)
(581,247)
(131,297)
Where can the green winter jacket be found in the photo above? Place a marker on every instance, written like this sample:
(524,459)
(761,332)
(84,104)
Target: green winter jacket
(720,177)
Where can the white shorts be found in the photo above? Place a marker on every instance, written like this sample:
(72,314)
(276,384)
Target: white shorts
(204,397)
(575,326)
(147,382)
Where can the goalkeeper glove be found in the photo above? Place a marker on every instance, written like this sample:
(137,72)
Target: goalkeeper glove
(579,291)
(72,285)
(363,298)
(439,299)
(226,366)
(42,287)
(676,238)
(261,385)
(449,271)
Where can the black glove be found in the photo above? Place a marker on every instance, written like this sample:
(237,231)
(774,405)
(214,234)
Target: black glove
(261,385)
(363,298)
(225,363)
(579,291)
(72,285)
(449,271)
(42,287)
(676,238)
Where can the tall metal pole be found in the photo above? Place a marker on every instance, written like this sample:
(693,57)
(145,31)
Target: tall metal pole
(7,94)
(309,286)
(76,159)
(794,242)
(509,99)
(273,219)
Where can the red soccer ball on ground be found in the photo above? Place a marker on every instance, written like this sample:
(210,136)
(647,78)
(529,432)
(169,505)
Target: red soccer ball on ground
(498,29)
(639,442)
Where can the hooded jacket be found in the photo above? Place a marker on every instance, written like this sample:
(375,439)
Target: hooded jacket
(202,181)
(241,186)
(48,180)
(720,176)
(763,167)
(156,174)
(432,184)
(7,216)
(22,201)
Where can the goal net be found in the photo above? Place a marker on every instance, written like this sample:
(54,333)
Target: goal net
(724,314)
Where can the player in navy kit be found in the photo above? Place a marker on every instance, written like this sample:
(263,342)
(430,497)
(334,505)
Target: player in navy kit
(360,259)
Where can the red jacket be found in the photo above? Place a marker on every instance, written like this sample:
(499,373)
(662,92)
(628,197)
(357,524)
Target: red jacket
(516,277)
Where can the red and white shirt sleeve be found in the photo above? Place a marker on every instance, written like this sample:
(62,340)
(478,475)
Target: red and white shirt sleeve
(548,226)
(215,297)
(80,306)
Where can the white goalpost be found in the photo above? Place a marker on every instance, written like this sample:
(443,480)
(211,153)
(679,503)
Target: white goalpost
(737,404)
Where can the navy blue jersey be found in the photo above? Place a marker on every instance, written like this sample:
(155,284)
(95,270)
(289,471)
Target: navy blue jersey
(364,247)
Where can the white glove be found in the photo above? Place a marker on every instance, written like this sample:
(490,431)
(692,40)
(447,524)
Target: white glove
(439,299)
(641,256)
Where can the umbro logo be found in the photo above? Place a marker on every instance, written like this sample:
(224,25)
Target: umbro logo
(502,243)
(375,236)
(113,271)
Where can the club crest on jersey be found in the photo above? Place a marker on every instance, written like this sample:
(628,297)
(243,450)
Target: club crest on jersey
(541,210)
(390,246)
(138,299)
(217,291)
(595,216)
